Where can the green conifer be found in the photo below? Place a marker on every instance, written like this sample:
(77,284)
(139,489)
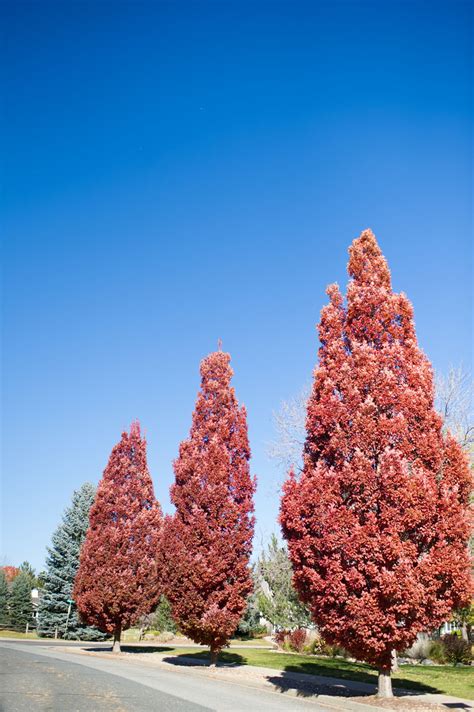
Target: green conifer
(61,567)
(277,600)
(20,604)
(4,596)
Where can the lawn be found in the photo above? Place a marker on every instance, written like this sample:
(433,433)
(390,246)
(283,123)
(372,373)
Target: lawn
(251,642)
(457,681)
(14,634)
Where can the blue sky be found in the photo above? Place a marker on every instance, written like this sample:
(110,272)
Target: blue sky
(178,172)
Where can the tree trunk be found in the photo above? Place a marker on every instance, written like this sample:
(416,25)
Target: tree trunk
(395,667)
(214,656)
(117,634)
(464,632)
(385,683)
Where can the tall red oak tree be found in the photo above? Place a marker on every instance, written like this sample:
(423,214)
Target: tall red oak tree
(208,542)
(118,579)
(377,522)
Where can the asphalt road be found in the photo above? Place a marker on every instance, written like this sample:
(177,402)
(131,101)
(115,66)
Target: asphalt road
(34,677)
(33,682)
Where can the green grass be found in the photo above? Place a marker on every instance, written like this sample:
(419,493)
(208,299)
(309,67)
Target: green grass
(253,642)
(14,634)
(456,681)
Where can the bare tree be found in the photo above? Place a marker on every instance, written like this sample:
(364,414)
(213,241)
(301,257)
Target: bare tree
(290,431)
(455,402)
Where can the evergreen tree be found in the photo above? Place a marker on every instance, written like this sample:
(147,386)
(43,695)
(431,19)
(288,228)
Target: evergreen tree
(4,596)
(377,523)
(163,621)
(61,567)
(20,604)
(118,580)
(27,569)
(250,624)
(277,600)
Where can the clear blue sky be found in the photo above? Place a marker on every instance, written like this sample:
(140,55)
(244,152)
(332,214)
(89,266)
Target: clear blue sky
(178,172)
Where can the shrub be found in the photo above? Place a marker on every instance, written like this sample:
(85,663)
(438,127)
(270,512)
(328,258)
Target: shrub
(456,649)
(260,631)
(297,639)
(165,636)
(280,637)
(292,640)
(420,650)
(334,651)
(317,646)
(437,652)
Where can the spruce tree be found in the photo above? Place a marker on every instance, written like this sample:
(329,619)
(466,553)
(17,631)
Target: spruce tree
(20,604)
(277,599)
(61,567)
(27,569)
(4,596)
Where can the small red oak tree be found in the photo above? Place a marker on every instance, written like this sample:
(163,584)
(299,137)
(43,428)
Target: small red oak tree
(377,522)
(117,580)
(208,541)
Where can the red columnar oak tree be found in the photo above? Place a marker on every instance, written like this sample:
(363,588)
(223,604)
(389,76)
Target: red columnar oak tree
(207,543)
(118,581)
(377,522)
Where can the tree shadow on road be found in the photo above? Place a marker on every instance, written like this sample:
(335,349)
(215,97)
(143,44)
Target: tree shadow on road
(286,682)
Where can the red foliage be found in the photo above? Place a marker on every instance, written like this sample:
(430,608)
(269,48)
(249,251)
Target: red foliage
(11,572)
(117,581)
(208,542)
(280,637)
(377,523)
(297,639)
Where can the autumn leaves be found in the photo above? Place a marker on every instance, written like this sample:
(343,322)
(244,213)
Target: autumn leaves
(376,524)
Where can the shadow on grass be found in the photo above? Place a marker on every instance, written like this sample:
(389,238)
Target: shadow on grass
(341,678)
(203,658)
(131,649)
(347,683)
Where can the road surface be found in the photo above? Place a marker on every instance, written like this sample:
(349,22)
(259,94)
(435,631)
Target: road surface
(36,677)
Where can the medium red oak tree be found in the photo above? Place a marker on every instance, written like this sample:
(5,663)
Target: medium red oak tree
(118,580)
(207,543)
(377,523)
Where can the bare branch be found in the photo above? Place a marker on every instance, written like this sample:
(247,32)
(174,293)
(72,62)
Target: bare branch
(289,422)
(455,403)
